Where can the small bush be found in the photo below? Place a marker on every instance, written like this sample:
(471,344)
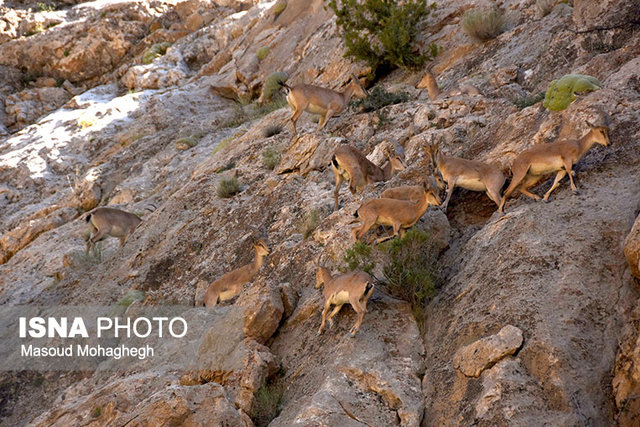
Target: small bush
(228,187)
(239,117)
(130,297)
(97,411)
(226,167)
(224,143)
(279,7)
(309,222)
(411,271)
(267,404)
(271,85)
(544,7)
(381,33)
(257,111)
(82,260)
(272,130)
(270,158)
(529,100)
(155,51)
(562,92)
(358,257)
(262,52)
(379,98)
(44,7)
(484,23)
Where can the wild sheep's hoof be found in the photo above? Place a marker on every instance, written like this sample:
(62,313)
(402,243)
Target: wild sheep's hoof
(545,200)
(319,332)
(575,192)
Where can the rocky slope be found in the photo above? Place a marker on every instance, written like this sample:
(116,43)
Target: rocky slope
(544,293)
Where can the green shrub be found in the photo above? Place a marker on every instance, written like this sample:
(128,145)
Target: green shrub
(271,85)
(83,260)
(238,118)
(358,257)
(257,111)
(44,7)
(226,167)
(279,7)
(268,403)
(484,23)
(97,411)
(130,297)
(228,187)
(379,98)
(529,100)
(262,52)
(155,51)
(561,92)
(381,32)
(309,222)
(270,158)
(411,271)
(224,143)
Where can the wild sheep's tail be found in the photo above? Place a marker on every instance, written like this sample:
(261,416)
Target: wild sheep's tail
(284,85)
(368,290)
(334,162)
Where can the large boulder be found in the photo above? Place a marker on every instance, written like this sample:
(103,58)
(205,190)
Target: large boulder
(474,358)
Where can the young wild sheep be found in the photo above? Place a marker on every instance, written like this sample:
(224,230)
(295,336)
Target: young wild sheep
(231,283)
(354,288)
(350,164)
(413,192)
(319,100)
(104,222)
(469,174)
(400,214)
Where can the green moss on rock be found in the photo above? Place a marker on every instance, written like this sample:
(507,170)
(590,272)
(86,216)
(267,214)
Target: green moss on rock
(561,92)
(130,297)
(279,7)
(263,52)
(155,51)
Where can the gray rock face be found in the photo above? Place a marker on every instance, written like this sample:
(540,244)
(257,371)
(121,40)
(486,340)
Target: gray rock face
(608,14)
(555,270)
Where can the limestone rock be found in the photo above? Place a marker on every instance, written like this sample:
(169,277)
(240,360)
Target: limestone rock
(471,360)
(263,310)
(29,105)
(632,248)
(306,153)
(352,380)
(626,382)
(588,15)
(14,240)
(145,400)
